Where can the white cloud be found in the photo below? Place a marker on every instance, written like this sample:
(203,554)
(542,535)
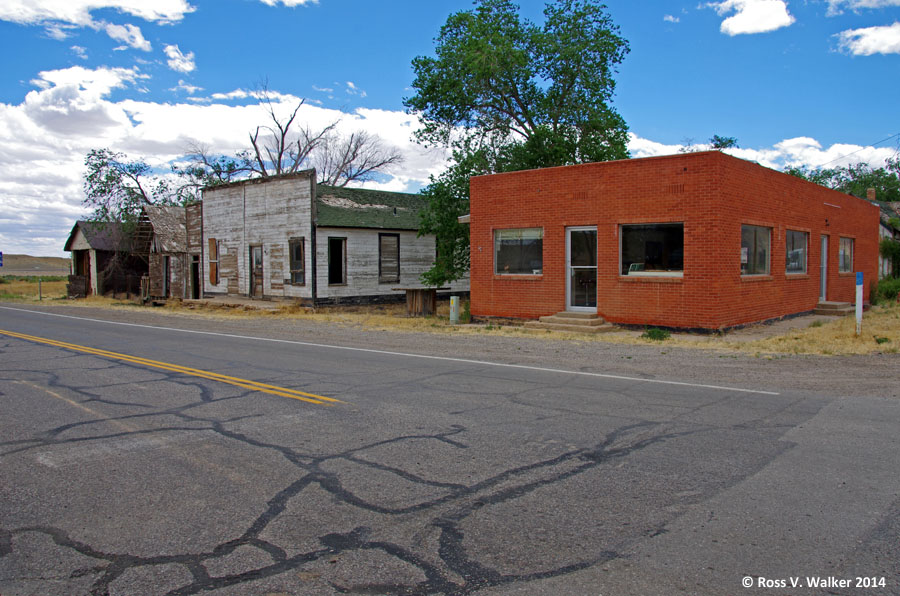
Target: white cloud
(671,19)
(78,12)
(178,61)
(795,152)
(182,86)
(129,34)
(871,40)
(352,89)
(290,3)
(80,51)
(753,16)
(836,7)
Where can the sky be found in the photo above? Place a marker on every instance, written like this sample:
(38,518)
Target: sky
(797,83)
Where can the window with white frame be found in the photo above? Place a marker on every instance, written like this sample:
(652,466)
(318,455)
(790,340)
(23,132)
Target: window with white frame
(845,255)
(519,251)
(755,250)
(796,249)
(652,249)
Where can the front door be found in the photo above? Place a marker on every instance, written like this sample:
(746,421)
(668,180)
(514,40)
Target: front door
(823,270)
(256,271)
(581,269)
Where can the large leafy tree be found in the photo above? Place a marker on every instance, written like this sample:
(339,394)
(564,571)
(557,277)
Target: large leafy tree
(503,94)
(856,179)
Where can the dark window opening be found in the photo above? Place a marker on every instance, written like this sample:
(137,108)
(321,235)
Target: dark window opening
(649,249)
(337,261)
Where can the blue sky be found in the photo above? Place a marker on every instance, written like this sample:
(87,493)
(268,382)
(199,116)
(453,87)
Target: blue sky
(796,82)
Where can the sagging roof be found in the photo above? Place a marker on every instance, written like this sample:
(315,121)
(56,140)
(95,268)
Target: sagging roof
(101,235)
(168,227)
(888,211)
(341,207)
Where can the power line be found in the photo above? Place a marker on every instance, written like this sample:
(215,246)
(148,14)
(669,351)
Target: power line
(858,150)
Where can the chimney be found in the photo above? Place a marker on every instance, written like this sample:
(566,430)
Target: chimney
(870,194)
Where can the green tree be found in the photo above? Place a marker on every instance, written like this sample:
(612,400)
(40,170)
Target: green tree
(506,94)
(718,142)
(856,179)
(116,188)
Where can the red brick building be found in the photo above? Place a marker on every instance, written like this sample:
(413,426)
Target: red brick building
(697,240)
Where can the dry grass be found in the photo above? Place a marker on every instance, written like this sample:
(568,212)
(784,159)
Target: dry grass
(880,334)
(880,328)
(28,290)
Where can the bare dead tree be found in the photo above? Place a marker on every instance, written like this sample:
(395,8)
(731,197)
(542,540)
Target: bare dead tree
(283,148)
(340,160)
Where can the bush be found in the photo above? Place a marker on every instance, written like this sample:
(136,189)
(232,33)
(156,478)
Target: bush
(656,334)
(888,288)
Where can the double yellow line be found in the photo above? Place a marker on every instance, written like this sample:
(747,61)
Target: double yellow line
(244,383)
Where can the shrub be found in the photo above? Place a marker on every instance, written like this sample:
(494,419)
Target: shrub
(888,288)
(656,334)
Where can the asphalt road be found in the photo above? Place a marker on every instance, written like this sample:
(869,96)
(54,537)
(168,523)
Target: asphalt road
(165,456)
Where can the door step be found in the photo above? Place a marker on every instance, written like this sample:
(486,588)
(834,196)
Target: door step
(834,309)
(576,322)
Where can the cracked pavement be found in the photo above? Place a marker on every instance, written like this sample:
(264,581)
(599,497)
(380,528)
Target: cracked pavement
(432,477)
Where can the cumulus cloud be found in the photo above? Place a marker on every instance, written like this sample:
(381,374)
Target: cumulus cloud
(671,19)
(871,40)
(836,7)
(752,16)
(128,34)
(177,61)
(182,86)
(80,51)
(78,12)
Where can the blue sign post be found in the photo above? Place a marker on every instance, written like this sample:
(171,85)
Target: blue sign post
(859,301)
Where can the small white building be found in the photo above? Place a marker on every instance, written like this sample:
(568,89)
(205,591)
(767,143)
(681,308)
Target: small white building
(285,237)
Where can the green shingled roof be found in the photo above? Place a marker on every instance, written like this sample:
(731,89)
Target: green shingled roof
(362,208)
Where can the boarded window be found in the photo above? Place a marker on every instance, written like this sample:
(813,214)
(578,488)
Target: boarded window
(388,258)
(298,262)
(213,261)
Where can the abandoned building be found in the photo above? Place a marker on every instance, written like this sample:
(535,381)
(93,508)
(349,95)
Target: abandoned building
(286,237)
(699,240)
(101,260)
(161,239)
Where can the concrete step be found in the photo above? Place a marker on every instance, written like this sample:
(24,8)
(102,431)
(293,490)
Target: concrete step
(577,315)
(581,321)
(603,328)
(834,309)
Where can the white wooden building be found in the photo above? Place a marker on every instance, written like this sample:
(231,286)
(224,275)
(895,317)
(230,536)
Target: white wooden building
(286,237)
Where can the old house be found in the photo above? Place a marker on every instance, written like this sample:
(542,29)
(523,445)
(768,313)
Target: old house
(161,239)
(890,214)
(698,240)
(287,237)
(102,260)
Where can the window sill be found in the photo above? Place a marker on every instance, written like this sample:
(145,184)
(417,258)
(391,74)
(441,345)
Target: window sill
(846,274)
(757,277)
(796,275)
(652,279)
(519,276)
(337,285)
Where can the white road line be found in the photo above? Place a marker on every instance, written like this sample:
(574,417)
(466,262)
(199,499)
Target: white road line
(404,354)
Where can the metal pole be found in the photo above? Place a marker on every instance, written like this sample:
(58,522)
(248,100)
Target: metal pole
(40,294)
(454,310)
(859,302)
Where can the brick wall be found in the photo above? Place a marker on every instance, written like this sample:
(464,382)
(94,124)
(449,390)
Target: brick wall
(712,194)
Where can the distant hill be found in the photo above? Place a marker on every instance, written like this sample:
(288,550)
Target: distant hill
(28,265)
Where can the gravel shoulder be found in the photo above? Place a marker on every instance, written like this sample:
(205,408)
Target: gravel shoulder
(871,375)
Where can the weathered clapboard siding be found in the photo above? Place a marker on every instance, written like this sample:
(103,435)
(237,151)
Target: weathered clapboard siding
(267,212)
(416,257)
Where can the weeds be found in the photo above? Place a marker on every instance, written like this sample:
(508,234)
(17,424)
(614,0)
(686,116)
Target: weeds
(656,334)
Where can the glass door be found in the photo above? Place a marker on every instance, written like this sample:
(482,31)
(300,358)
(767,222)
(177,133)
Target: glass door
(581,269)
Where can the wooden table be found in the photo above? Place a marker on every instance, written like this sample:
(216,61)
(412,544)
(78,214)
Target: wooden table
(420,301)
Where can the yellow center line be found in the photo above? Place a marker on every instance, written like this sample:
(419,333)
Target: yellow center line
(244,383)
